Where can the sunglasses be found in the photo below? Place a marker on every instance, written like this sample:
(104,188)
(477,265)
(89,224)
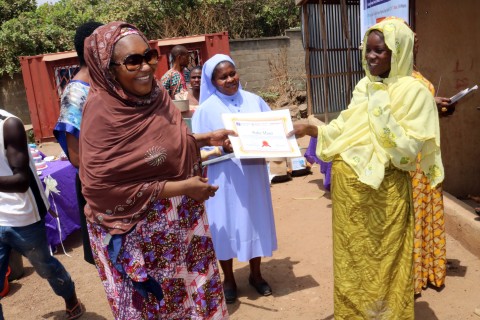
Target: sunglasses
(134,62)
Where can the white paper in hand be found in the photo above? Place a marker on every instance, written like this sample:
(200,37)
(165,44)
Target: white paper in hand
(462,94)
(262,134)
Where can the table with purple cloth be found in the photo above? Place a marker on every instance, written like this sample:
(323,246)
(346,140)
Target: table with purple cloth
(64,203)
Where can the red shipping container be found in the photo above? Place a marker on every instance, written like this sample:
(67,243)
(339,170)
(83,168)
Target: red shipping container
(45,76)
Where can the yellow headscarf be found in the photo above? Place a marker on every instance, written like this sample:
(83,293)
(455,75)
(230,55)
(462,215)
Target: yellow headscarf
(388,120)
(400,39)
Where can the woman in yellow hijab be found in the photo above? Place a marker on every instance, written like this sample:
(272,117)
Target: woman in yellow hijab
(374,144)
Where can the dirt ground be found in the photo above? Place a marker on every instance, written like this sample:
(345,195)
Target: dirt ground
(300,271)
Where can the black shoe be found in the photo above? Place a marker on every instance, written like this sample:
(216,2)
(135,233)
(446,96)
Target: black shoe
(262,288)
(230,295)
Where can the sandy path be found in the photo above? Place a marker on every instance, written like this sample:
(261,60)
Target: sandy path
(300,272)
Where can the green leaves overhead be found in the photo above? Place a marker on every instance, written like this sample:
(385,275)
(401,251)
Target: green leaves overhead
(28,30)
(43,30)
(12,8)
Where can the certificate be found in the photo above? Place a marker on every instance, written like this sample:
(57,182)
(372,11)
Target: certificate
(262,134)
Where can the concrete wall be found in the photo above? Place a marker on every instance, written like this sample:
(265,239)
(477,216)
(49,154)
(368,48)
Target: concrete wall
(13,97)
(450,50)
(252,58)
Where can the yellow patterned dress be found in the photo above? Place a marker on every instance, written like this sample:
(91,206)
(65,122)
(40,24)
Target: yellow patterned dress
(429,255)
(377,224)
(374,145)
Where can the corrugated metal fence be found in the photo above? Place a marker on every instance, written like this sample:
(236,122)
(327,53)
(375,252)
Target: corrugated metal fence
(331,35)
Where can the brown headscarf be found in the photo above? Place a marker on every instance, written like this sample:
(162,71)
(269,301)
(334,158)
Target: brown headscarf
(129,146)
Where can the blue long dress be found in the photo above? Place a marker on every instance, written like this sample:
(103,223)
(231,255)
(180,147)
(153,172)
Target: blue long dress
(241,213)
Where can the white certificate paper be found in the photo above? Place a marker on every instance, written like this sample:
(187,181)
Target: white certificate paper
(262,134)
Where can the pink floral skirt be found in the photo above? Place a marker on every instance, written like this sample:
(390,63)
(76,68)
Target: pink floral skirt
(173,246)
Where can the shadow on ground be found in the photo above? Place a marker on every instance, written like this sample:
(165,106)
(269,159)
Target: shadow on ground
(455,268)
(60,315)
(424,312)
(74,240)
(279,273)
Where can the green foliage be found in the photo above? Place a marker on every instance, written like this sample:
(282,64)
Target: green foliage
(277,15)
(269,96)
(227,2)
(144,14)
(30,136)
(10,9)
(28,30)
(45,30)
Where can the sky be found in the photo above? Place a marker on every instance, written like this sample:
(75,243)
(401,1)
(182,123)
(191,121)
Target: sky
(40,2)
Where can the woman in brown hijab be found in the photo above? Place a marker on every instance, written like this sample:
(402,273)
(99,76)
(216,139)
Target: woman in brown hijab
(139,167)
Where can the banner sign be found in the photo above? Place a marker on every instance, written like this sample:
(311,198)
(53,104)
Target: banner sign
(374,11)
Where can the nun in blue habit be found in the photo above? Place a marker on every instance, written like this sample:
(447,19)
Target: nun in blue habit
(241,213)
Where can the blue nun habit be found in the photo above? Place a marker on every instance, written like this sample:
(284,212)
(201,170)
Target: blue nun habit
(241,213)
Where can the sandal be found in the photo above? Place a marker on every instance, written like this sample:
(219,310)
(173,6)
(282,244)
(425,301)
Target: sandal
(230,295)
(262,287)
(76,312)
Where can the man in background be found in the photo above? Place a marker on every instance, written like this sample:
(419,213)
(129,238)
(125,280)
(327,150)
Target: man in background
(23,207)
(174,80)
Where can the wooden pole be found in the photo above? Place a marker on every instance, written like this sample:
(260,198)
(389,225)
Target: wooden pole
(306,34)
(346,33)
(325,60)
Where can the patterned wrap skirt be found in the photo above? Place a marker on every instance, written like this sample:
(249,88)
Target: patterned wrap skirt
(173,246)
(372,246)
(429,255)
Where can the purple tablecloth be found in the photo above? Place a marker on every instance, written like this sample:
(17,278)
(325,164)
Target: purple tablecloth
(66,201)
(325,167)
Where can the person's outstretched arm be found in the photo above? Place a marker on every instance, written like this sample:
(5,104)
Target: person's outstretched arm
(215,138)
(303,129)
